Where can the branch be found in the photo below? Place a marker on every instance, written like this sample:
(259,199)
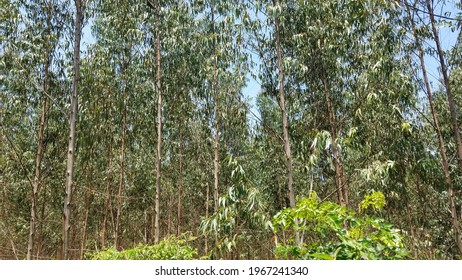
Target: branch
(17,155)
(432,14)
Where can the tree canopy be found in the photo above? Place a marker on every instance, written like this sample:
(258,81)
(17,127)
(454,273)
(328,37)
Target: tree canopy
(230,129)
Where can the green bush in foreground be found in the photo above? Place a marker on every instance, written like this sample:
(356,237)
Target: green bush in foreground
(330,231)
(171,248)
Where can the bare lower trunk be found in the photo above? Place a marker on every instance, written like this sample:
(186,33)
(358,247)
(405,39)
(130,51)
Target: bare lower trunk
(215,101)
(180,186)
(122,179)
(145,233)
(40,226)
(159,142)
(411,230)
(345,189)
(285,126)
(444,159)
(207,198)
(85,222)
(72,130)
(444,70)
(38,160)
(108,197)
(339,177)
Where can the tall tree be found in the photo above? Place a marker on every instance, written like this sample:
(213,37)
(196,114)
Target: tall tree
(72,131)
(159,126)
(122,158)
(451,102)
(215,109)
(282,104)
(447,86)
(50,10)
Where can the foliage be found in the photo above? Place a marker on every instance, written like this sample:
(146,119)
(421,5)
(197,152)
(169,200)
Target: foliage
(335,232)
(170,248)
(363,53)
(375,201)
(240,211)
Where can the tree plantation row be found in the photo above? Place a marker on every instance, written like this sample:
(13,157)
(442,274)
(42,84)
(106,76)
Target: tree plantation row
(125,132)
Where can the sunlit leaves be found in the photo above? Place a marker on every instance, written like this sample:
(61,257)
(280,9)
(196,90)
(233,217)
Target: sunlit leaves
(170,248)
(240,211)
(334,232)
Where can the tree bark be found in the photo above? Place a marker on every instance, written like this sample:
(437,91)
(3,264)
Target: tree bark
(40,226)
(39,156)
(72,130)
(108,197)
(85,222)
(345,188)
(444,70)
(444,159)
(412,231)
(122,176)
(207,198)
(215,101)
(145,233)
(339,177)
(285,127)
(180,185)
(159,139)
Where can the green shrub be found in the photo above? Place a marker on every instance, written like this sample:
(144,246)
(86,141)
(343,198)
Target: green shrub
(171,248)
(331,231)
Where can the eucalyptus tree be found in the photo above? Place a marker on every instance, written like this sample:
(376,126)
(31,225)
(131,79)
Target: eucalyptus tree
(226,69)
(159,123)
(413,17)
(287,149)
(32,55)
(215,106)
(171,22)
(52,12)
(270,48)
(340,114)
(100,93)
(117,78)
(445,72)
(72,129)
(343,51)
(349,94)
(9,22)
(118,32)
(182,83)
(455,125)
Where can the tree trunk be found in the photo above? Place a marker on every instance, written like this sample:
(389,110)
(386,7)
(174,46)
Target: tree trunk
(345,189)
(108,196)
(339,177)
(40,226)
(215,101)
(444,160)
(444,70)
(72,134)
(180,185)
(412,231)
(207,198)
(285,126)
(145,233)
(85,223)
(287,148)
(159,140)
(122,177)
(39,157)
